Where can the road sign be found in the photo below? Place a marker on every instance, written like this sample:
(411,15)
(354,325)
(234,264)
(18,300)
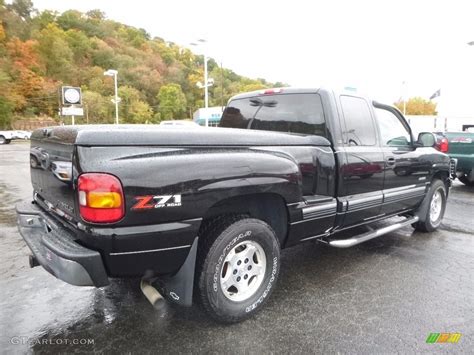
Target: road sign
(71,95)
(72,111)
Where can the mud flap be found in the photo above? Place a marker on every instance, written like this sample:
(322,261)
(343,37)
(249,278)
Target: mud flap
(179,287)
(422,211)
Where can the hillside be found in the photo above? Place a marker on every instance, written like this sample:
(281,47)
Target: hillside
(40,51)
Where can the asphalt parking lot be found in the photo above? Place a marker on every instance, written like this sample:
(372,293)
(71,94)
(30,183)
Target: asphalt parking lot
(383,296)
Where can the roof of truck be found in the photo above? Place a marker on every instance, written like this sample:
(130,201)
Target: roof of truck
(298,90)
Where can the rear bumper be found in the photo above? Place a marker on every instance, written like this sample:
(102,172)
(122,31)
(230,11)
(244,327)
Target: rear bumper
(54,247)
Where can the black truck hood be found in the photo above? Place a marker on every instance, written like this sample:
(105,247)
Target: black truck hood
(129,135)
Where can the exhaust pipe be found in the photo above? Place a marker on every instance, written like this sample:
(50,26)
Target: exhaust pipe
(152,295)
(33,261)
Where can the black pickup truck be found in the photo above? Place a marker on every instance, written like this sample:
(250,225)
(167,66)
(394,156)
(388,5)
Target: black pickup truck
(202,213)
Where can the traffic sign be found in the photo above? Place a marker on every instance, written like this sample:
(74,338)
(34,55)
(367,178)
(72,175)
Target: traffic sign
(71,95)
(72,111)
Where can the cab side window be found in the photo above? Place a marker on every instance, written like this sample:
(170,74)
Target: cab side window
(392,132)
(360,129)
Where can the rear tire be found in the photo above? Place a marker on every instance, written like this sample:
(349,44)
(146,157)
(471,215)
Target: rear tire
(3,140)
(237,267)
(466,181)
(436,208)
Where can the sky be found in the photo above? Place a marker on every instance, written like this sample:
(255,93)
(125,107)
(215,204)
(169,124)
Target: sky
(373,46)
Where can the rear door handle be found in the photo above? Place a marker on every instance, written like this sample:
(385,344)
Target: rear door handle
(391,161)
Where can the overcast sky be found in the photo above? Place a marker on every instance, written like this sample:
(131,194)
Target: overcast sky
(371,45)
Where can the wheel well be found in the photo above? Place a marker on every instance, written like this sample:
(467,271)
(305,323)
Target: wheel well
(267,207)
(442,175)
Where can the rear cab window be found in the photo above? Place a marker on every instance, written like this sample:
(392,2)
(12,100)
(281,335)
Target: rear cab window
(292,113)
(359,125)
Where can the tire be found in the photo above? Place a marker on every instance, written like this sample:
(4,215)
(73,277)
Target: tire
(237,267)
(466,181)
(436,207)
(33,162)
(3,140)
(8,141)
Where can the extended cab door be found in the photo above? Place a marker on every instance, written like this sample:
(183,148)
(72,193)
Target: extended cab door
(361,163)
(406,172)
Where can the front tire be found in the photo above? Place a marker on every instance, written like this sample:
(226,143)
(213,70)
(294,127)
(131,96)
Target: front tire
(436,208)
(237,267)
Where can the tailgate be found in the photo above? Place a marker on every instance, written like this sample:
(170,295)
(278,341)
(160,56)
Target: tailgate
(51,156)
(461,143)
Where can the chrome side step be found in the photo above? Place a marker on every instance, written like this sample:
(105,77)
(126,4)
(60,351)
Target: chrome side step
(347,243)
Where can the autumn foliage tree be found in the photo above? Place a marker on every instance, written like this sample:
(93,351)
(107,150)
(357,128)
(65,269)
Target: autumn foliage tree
(42,50)
(417,106)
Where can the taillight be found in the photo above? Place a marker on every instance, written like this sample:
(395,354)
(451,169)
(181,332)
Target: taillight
(443,146)
(100,198)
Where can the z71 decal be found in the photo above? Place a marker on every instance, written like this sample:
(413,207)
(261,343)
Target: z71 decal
(150,201)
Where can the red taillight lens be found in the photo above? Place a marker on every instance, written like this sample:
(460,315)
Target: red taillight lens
(100,198)
(444,145)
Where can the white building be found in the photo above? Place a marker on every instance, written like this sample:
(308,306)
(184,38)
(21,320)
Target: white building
(213,114)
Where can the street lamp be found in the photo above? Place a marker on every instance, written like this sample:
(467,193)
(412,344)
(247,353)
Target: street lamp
(116,100)
(207,81)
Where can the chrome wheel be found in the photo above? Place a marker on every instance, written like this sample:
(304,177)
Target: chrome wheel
(243,271)
(436,206)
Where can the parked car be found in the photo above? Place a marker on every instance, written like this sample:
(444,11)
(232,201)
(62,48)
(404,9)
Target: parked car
(203,213)
(7,136)
(23,134)
(461,148)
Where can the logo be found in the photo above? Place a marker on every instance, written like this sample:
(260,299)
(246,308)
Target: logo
(443,338)
(461,140)
(149,202)
(174,296)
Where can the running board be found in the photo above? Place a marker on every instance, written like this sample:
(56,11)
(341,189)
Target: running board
(347,243)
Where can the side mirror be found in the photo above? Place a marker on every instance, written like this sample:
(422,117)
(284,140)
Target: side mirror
(426,139)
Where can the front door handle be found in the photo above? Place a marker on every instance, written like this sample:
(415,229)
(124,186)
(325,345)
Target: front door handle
(391,161)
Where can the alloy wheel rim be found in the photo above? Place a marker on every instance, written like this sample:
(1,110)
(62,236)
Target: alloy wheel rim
(436,206)
(243,271)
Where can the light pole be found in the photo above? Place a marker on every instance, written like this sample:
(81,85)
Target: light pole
(116,100)
(207,82)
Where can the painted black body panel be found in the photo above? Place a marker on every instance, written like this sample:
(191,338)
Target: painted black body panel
(324,184)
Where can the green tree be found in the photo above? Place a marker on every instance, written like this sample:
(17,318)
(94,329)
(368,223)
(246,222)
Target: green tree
(132,109)
(172,102)
(23,8)
(96,14)
(417,106)
(98,109)
(5,113)
(55,52)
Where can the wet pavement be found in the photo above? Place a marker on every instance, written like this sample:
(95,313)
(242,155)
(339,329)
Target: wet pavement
(382,296)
